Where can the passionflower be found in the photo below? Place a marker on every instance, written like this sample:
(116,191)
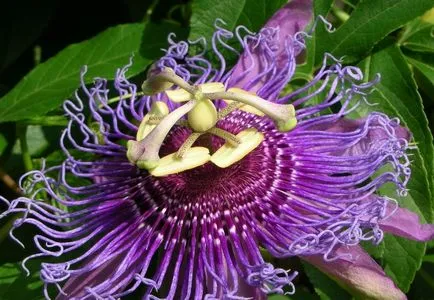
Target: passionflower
(187,180)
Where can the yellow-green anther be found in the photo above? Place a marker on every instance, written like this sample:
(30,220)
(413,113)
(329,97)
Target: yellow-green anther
(157,83)
(158,110)
(227,155)
(181,95)
(146,150)
(172,164)
(130,154)
(147,165)
(285,126)
(203,116)
(278,112)
(187,144)
(227,136)
(164,80)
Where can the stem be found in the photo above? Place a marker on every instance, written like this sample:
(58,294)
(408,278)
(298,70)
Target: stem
(116,99)
(4,230)
(149,11)
(349,4)
(46,121)
(27,159)
(427,277)
(9,182)
(37,51)
(340,14)
(429,258)
(367,68)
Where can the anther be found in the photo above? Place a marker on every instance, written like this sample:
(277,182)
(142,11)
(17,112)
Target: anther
(171,164)
(163,81)
(227,155)
(159,109)
(283,115)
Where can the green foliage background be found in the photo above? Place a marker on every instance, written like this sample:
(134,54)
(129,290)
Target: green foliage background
(45,44)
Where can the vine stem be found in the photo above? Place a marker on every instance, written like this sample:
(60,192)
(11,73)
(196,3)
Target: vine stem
(27,159)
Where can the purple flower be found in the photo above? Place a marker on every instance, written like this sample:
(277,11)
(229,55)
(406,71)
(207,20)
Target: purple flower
(167,214)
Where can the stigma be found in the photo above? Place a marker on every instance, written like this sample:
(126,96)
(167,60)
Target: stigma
(198,113)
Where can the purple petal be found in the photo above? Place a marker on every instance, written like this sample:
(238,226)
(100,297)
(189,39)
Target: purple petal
(407,224)
(290,19)
(381,128)
(356,271)
(75,286)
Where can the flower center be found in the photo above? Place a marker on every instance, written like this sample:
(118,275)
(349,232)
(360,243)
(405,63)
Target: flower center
(210,187)
(201,118)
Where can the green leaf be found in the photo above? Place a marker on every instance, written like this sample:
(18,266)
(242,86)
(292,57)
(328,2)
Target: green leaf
(251,13)
(301,293)
(397,95)
(277,297)
(3,143)
(205,12)
(36,141)
(402,259)
(429,258)
(423,285)
(424,63)
(14,284)
(305,70)
(325,287)
(256,13)
(46,86)
(422,40)
(423,67)
(369,23)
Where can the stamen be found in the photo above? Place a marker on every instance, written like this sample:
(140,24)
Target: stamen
(228,109)
(159,109)
(227,155)
(171,164)
(144,153)
(245,107)
(187,144)
(181,95)
(202,118)
(282,114)
(230,138)
(164,80)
